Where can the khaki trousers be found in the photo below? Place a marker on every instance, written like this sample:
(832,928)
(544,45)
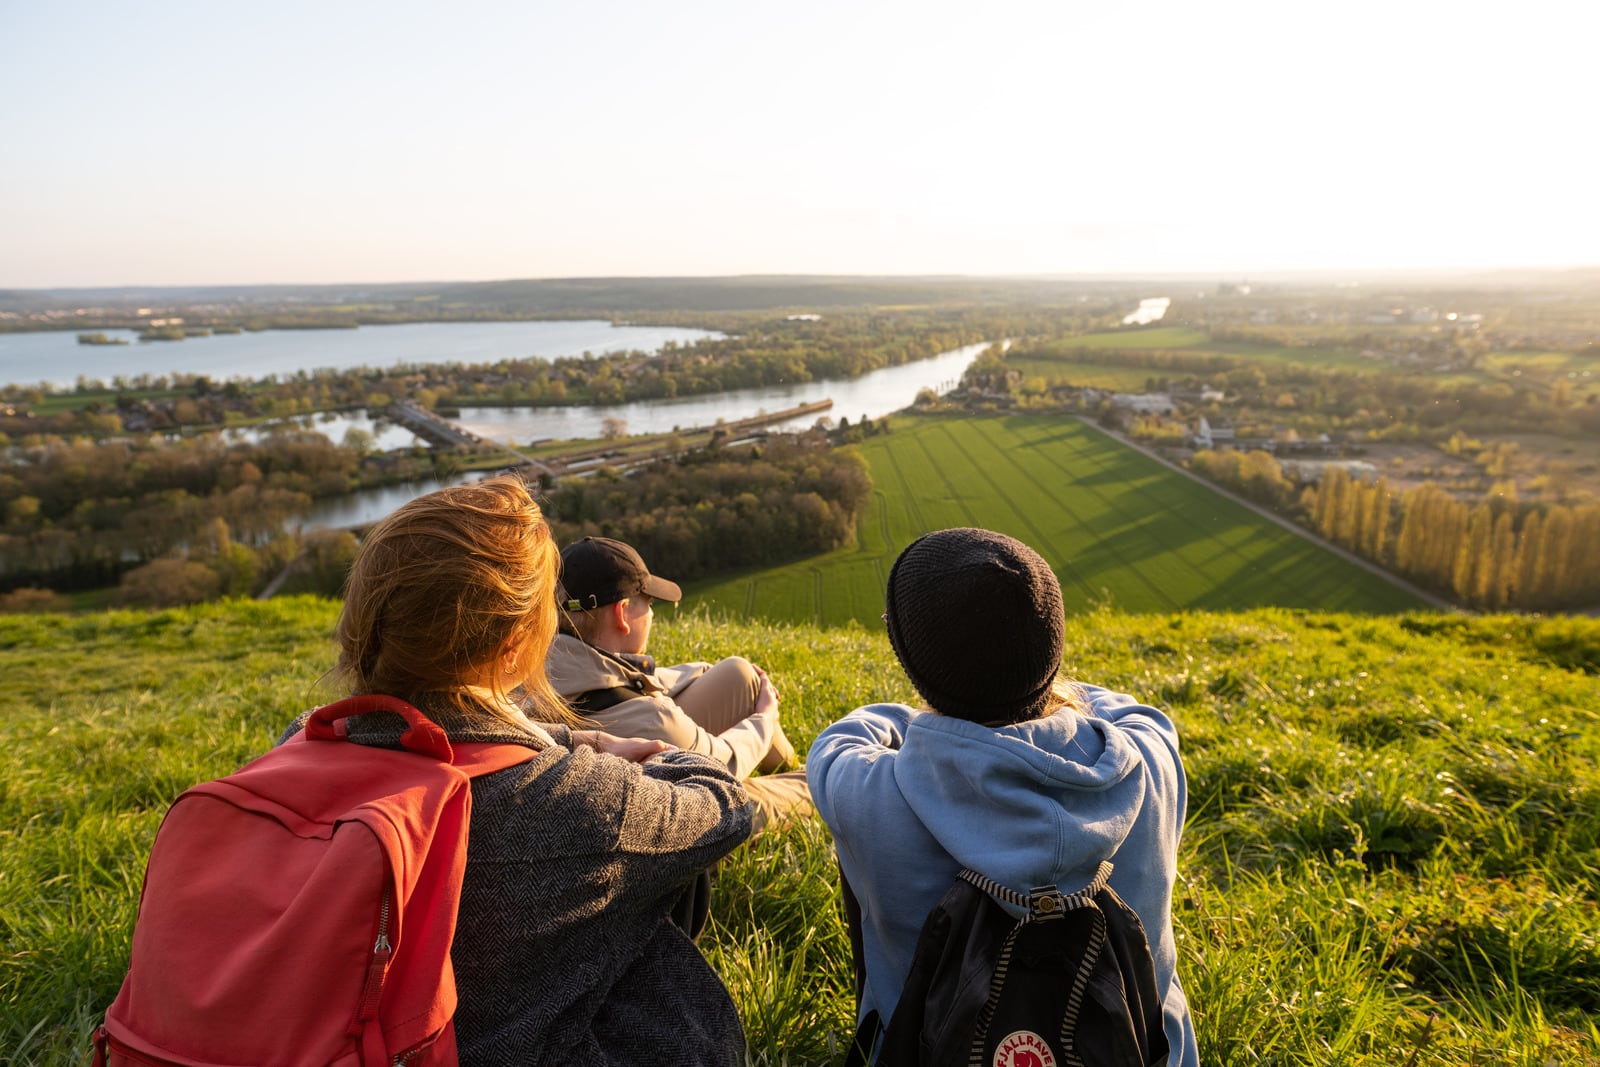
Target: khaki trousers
(721,697)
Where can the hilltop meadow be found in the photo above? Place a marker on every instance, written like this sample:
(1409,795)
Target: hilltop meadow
(1391,857)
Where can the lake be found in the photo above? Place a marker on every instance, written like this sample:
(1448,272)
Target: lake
(57,359)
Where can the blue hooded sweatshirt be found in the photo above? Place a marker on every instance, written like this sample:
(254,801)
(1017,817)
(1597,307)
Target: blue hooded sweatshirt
(912,797)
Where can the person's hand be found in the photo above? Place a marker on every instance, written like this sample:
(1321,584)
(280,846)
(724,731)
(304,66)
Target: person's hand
(767,695)
(632,749)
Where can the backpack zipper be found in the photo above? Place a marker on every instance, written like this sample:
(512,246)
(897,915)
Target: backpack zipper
(382,952)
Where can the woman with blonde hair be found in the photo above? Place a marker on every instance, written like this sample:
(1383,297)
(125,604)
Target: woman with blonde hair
(563,951)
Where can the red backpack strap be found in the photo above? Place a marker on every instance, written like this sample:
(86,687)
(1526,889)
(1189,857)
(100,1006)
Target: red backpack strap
(478,758)
(422,733)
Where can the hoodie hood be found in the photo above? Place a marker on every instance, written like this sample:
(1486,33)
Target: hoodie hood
(1059,794)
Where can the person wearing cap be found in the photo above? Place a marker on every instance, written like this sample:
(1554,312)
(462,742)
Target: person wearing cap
(599,664)
(1009,769)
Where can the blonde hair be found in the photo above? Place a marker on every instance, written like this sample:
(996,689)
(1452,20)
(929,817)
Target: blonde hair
(1064,693)
(439,592)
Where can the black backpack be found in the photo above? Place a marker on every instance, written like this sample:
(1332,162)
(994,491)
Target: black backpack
(1070,984)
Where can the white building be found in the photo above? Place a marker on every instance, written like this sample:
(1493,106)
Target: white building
(1312,470)
(1144,403)
(1210,435)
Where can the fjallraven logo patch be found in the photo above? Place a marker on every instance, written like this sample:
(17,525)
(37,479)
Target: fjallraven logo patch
(1023,1048)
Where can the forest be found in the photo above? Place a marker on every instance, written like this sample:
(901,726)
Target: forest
(718,510)
(189,521)
(78,514)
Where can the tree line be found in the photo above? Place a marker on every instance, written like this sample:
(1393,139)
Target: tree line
(79,514)
(1493,553)
(718,509)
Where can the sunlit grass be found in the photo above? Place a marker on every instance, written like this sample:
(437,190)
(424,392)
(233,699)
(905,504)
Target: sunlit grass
(1392,856)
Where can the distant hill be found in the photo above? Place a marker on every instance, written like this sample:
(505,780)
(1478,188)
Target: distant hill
(566,295)
(532,296)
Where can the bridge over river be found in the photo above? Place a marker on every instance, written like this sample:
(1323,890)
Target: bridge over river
(441,432)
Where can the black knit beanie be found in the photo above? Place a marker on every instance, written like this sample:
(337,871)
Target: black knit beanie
(975,618)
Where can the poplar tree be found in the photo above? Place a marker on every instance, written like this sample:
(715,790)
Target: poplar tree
(1502,567)
(1379,508)
(1471,550)
(1529,541)
(1557,563)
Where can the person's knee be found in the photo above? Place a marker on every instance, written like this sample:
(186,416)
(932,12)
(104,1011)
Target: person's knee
(744,671)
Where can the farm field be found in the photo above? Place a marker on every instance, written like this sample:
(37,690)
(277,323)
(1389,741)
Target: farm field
(1390,854)
(1118,528)
(1085,373)
(1581,369)
(1072,359)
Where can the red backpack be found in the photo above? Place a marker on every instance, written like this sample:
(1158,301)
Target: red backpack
(300,911)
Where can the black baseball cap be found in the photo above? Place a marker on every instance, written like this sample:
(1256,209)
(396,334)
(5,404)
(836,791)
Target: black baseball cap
(598,571)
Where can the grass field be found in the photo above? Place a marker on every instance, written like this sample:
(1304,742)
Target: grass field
(1116,526)
(1391,857)
(1581,369)
(1076,364)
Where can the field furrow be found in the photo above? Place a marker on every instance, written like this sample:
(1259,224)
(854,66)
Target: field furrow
(1117,527)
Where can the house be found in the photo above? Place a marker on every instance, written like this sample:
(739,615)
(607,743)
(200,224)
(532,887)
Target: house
(1210,435)
(1144,403)
(1307,471)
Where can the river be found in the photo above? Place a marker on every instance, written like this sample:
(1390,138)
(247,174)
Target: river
(872,395)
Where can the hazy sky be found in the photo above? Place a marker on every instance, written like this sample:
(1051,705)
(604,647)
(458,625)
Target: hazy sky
(167,143)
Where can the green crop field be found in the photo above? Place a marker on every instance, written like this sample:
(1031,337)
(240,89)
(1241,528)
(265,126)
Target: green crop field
(1117,527)
(1391,856)
(1074,358)
(1142,337)
(1084,373)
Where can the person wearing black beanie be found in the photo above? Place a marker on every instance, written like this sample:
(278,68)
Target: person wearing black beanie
(975,619)
(1010,769)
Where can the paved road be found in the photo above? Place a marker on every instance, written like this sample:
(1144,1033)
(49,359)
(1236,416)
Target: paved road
(1272,516)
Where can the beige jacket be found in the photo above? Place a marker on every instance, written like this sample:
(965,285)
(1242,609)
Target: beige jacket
(575,668)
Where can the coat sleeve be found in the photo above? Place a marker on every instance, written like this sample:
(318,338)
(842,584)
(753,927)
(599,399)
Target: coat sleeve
(683,813)
(1157,738)
(848,759)
(1146,722)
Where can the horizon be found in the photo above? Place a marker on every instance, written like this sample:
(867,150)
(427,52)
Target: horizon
(179,145)
(1350,277)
